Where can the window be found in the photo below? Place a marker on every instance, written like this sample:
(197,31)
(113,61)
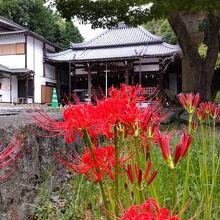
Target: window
(12,49)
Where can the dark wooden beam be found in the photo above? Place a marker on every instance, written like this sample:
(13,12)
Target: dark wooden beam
(89,83)
(70,83)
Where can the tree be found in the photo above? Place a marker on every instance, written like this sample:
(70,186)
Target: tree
(133,12)
(34,15)
(68,30)
(161,27)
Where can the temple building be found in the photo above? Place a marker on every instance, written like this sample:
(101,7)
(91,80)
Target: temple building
(121,54)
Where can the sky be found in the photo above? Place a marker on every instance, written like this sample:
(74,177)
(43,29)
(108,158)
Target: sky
(86,31)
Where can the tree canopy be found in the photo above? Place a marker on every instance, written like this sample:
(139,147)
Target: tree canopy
(181,16)
(36,16)
(161,27)
(109,12)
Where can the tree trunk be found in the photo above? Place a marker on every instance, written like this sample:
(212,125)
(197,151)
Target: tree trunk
(202,69)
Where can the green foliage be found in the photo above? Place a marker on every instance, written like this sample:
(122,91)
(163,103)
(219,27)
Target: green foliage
(75,199)
(161,27)
(34,15)
(133,12)
(217,98)
(203,51)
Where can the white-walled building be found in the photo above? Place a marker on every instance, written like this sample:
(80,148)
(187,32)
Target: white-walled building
(25,76)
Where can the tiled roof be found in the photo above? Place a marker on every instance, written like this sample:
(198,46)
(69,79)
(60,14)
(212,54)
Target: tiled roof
(5,69)
(117,43)
(115,53)
(120,37)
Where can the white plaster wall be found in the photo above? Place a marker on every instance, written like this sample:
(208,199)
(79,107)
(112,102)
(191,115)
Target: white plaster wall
(50,71)
(12,39)
(148,68)
(5,90)
(173,82)
(38,65)
(12,61)
(30,53)
(35,62)
(145,66)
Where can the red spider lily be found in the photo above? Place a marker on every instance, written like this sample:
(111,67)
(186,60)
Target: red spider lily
(48,123)
(129,93)
(164,142)
(200,114)
(138,176)
(95,167)
(182,147)
(209,108)
(76,118)
(189,101)
(194,125)
(149,210)
(9,155)
(118,110)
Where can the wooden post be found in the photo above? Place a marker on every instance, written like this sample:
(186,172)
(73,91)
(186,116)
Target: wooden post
(26,89)
(58,84)
(106,80)
(33,86)
(140,73)
(132,73)
(161,83)
(126,73)
(70,82)
(11,89)
(89,83)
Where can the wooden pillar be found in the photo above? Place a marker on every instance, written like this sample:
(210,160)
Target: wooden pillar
(161,83)
(33,86)
(126,73)
(132,74)
(89,83)
(58,84)
(11,89)
(70,82)
(140,72)
(25,48)
(106,80)
(26,89)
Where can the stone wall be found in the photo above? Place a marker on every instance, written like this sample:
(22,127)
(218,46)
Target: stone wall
(20,190)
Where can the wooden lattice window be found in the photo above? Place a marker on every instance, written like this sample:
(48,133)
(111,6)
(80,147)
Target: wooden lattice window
(12,49)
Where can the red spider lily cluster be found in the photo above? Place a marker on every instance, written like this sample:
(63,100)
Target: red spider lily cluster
(129,131)
(180,149)
(95,165)
(8,156)
(119,109)
(189,101)
(148,210)
(203,110)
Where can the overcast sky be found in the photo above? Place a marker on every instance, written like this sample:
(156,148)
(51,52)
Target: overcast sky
(86,31)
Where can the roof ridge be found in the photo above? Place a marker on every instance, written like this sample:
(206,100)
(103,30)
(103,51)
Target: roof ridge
(171,45)
(150,34)
(59,53)
(24,29)
(89,41)
(4,19)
